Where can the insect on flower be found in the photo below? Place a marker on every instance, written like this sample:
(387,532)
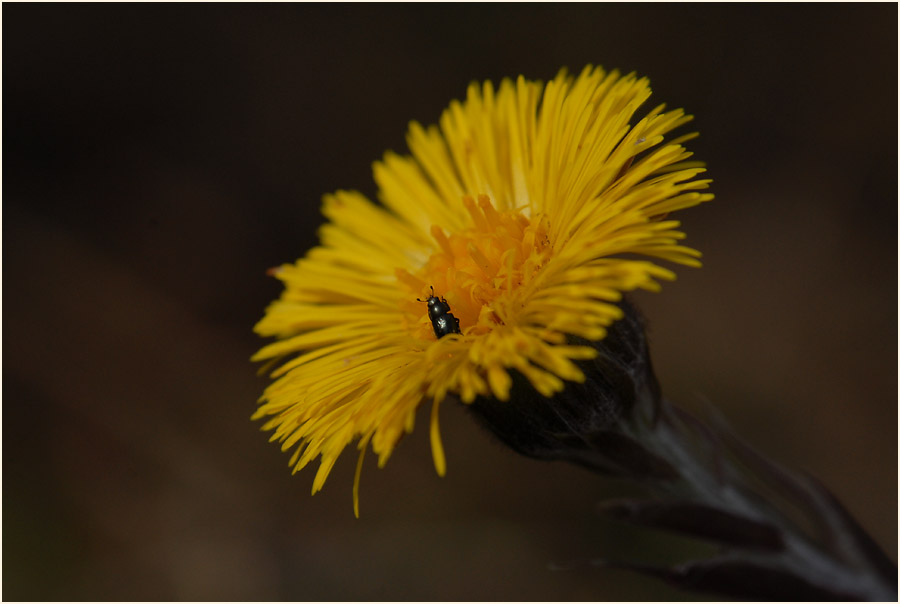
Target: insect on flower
(442,321)
(528,201)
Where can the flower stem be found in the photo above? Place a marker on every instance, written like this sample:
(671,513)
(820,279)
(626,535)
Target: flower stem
(784,535)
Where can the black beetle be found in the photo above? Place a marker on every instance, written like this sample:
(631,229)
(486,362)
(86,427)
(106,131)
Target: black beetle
(442,321)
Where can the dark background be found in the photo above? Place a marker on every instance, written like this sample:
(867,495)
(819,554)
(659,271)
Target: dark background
(158,158)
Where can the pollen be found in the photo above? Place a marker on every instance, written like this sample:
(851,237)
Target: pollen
(483,271)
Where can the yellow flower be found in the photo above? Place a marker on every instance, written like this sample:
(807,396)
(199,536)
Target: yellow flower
(528,210)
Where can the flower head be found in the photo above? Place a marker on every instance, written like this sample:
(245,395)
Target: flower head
(529,211)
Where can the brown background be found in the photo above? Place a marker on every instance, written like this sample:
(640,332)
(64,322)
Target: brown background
(157,159)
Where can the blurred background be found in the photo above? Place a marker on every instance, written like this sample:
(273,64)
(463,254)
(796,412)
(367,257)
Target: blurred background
(158,158)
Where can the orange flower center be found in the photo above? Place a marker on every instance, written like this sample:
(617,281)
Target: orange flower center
(483,272)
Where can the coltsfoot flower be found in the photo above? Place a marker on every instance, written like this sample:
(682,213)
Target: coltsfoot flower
(527,214)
